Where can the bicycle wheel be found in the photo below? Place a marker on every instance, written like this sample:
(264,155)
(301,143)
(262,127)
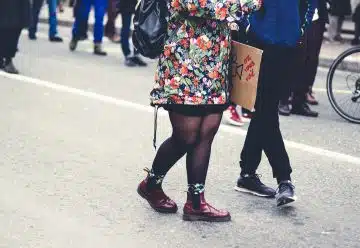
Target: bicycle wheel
(343,85)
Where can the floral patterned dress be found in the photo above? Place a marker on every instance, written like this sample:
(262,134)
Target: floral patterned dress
(194,65)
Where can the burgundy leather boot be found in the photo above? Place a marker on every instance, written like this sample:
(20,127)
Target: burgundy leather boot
(197,209)
(150,189)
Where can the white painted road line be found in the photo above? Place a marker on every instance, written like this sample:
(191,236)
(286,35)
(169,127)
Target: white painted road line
(119,102)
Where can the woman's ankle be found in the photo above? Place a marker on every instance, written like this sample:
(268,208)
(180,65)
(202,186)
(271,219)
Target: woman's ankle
(154,180)
(196,194)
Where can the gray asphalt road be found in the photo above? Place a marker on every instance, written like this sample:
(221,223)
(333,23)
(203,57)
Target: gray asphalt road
(76,133)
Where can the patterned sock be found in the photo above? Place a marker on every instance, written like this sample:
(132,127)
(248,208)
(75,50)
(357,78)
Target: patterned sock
(195,190)
(154,181)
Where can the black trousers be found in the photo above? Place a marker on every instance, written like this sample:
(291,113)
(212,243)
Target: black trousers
(356,20)
(306,61)
(9,42)
(264,130)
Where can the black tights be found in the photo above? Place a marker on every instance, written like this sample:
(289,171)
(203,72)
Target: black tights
(192,136)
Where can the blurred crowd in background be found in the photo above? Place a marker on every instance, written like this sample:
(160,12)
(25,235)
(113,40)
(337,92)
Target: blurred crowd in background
(16,15)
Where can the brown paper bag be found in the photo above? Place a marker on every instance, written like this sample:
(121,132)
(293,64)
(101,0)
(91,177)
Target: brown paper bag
(245,69)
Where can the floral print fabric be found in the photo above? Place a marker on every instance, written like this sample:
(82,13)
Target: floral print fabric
(194,65)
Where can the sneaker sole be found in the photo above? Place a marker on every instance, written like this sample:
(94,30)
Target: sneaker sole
(285,201)
(247,191)
(160,210)
(189,217)
(234,123)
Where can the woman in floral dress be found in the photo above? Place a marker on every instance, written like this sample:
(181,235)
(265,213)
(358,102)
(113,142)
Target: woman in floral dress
(191,84)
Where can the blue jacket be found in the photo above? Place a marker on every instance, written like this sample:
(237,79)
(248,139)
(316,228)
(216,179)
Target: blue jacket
(279,21)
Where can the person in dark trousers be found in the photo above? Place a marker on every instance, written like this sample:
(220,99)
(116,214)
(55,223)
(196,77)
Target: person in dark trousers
(276,29)
(314,39)
(305,65)
(35,12)
(82,16)
(83,25)
(112,14)
(14,16)
(338,10)
(127,10)
(355,4)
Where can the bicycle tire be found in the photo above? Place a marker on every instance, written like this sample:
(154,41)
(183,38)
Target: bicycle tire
(329,81)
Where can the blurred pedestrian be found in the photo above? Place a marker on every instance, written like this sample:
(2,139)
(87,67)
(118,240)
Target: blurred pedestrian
(127,10)
(314,37)
(82,16)
(14,16)
(35,12)
(83,25)
(112,13)
(61,5)
(338,10)
(191,84)
(306,61)
(355,5)
(278,38)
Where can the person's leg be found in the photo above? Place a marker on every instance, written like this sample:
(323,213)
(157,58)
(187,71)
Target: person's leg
(250,158)
(11,47)
(110,24)
(252,150)
(185,134)
(264,131)
(197,164)
(298,68)
(292,77)
(100,10)
(357,29)
(301,85)
(315,39)
(124,34)
(197,159)
(52,17)
(35,12)
(356,19)
(269,129)
(81,12)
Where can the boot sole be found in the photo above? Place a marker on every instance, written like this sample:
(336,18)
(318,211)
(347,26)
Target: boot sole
(189,217)
(160,210)
(247,191)
(284,114)
(305,115)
